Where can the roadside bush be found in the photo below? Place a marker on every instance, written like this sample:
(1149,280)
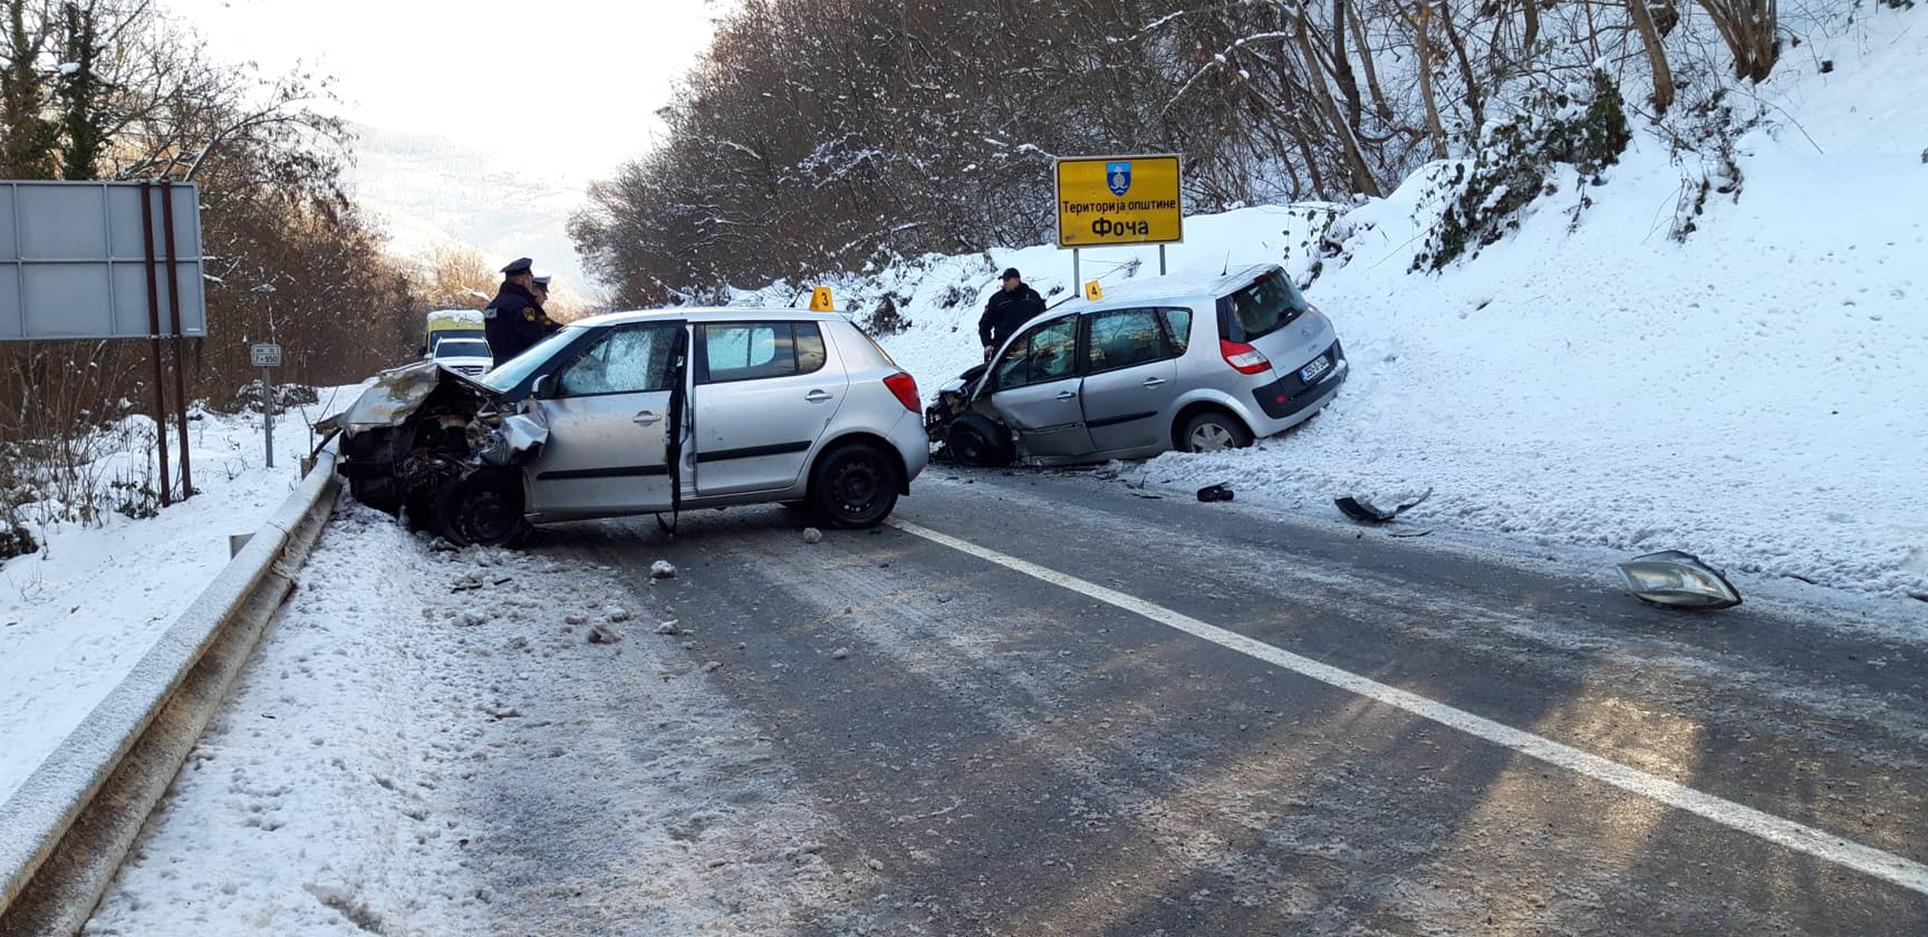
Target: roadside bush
(957,294)
(15,540)
(134,496)
(286,397)
(887,318)
(1586,129)
(1702,138)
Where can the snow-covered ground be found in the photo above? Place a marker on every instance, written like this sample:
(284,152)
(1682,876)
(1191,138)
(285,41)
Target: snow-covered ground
(433,743)
(1755,394)
(75,616)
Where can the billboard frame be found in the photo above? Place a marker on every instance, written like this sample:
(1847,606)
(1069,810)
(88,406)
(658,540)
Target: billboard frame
(87,252)
(72,253)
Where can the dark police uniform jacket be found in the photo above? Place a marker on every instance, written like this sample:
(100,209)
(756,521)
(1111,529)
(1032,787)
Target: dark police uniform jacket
(513,322)
(1006,312)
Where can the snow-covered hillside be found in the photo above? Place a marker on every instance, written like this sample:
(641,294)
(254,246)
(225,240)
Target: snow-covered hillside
(1755,394)
(430,192)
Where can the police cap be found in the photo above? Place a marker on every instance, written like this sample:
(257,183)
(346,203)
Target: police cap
(518,265)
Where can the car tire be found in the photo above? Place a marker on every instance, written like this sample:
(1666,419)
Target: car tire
(1214,431)
(480,509)
(976,441)
(855,486)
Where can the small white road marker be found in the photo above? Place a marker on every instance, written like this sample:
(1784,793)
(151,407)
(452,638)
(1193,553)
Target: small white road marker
(1836,849)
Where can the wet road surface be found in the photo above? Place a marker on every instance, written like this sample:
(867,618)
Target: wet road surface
(1009,755)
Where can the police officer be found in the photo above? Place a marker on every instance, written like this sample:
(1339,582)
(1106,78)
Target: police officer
(515,320)
(1014,304)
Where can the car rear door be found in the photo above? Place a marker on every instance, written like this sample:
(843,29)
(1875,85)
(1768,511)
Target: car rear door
(764,391)
(1131,373)
(1036,385)
(608,417)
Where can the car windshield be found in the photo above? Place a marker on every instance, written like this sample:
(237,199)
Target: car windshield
(517,369)
(1270,303)
(461,348)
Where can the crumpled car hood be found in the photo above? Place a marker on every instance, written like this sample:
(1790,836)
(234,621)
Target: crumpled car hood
(495,434)
(397,393)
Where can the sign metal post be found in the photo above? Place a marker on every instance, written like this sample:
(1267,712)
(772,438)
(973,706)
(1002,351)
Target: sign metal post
(267,357)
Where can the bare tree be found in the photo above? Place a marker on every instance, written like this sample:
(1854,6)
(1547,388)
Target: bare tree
(1751,29)
(1421,17)
(457,277)
(1663,76)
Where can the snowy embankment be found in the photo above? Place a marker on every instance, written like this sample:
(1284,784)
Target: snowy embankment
(1755,393)
(76,615)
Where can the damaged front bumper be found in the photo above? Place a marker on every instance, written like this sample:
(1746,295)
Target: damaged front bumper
(421,426)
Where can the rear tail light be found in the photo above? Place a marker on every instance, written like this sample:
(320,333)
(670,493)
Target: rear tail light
(1243,358)
(905,387)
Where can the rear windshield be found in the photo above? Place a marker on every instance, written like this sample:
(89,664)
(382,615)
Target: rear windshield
(1269,304)
(881,353)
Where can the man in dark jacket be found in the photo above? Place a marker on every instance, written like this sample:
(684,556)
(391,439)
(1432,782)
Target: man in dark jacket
(1014,304)
(515,320)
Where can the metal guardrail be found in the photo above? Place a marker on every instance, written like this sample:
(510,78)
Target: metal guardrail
(65,831)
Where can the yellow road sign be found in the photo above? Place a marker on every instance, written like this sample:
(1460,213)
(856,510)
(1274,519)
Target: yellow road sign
(1093,291)
(820,300)
(1118,200)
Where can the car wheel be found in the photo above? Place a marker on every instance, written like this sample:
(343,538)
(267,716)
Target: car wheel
(976,441)
(855,486)
(1215,431)
(481,509)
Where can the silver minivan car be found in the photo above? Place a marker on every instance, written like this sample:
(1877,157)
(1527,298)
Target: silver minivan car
(644,413)
(1156,364)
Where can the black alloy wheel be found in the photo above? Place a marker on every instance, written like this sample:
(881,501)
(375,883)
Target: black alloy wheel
(856,486)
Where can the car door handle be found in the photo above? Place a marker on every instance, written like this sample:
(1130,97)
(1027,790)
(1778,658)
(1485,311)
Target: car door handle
(646,418)
(1152,381)
(819,396)
(1067,395)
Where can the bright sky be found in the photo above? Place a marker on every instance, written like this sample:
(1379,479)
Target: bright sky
(575,81)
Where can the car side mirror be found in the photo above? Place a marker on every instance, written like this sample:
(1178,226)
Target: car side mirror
(544,386)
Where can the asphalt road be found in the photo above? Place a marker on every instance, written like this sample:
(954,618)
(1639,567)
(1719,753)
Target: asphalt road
(1013,749)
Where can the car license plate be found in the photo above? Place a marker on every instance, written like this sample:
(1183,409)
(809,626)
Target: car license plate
(1313,371)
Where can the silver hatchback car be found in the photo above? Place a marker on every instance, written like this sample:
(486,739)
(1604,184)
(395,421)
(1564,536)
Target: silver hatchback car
(1156,364)
(645,413)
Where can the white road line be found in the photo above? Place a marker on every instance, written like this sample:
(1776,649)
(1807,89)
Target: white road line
(1878,863)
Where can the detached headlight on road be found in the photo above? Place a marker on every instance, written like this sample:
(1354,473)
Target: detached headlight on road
(1678,580)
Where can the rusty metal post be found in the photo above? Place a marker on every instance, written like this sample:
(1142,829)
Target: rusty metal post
(154,338)
(179,339)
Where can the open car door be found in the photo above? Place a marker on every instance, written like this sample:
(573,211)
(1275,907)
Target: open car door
(609,414)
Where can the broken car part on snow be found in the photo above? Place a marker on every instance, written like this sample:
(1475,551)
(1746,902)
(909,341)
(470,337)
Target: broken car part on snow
(1364,512)
(1675,579)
